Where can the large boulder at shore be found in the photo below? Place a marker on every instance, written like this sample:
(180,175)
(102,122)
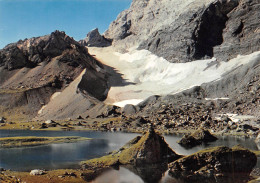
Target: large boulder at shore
(198,137)
(150,148)
(215,163)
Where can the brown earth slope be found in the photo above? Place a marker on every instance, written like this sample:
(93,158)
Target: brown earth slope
(32,70)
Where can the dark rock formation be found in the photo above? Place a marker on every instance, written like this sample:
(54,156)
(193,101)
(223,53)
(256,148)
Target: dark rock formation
(182,32)
(142,150)
(94,39)
(2,120)
(197,138)
(31,71)
(215,164)
(241,34)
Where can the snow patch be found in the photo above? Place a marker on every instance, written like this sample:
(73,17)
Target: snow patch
(55,95)
(153,75)
(214,99)
(125,102)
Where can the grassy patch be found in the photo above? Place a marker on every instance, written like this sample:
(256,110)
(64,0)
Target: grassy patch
(257,153)
(124,155)
(9,142)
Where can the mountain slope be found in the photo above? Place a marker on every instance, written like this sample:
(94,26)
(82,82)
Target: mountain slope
(34,69)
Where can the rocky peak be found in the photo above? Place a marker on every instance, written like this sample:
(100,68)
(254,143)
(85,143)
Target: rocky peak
(94,39)
(140,3)
(30,52)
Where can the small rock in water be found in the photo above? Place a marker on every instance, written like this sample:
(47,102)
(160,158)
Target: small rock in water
(37,172)
(198,137)
(2,169)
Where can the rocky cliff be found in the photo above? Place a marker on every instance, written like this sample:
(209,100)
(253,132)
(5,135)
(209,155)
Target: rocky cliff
(32,70)
(183,31)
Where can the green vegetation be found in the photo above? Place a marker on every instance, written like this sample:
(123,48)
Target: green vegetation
(9,142)
(125,155)
(257,153)
(150,148)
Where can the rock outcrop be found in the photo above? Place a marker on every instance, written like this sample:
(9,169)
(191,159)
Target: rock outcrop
(94,39)
(150,148)
(241,34)
(198,137)
(185,31)
(217,163)
(31,71)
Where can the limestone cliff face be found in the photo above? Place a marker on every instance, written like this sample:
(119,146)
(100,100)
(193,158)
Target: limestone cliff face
(182,31)
(32,70)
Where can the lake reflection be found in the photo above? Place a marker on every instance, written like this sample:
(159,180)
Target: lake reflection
(68,155)
(131,174)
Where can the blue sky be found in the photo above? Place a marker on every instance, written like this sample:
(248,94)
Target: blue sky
(20,19)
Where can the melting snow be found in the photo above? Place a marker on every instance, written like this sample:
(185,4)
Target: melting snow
(153,75)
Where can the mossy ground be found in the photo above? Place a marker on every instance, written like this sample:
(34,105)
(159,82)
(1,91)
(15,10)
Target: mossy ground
(9,142)
(126,155)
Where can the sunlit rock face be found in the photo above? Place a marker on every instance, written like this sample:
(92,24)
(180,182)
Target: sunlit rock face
(182,31)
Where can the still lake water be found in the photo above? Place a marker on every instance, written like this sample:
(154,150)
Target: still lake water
(68,155)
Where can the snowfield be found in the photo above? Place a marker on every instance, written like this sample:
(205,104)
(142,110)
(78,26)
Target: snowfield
(152,75)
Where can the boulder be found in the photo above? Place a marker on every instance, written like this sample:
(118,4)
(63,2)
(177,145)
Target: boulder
(129,109)
(198,137)
(37,172)
(94,39)
(150,148)
(2,120)
(44,125)
(2,169)
(215,163)
(49,121)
